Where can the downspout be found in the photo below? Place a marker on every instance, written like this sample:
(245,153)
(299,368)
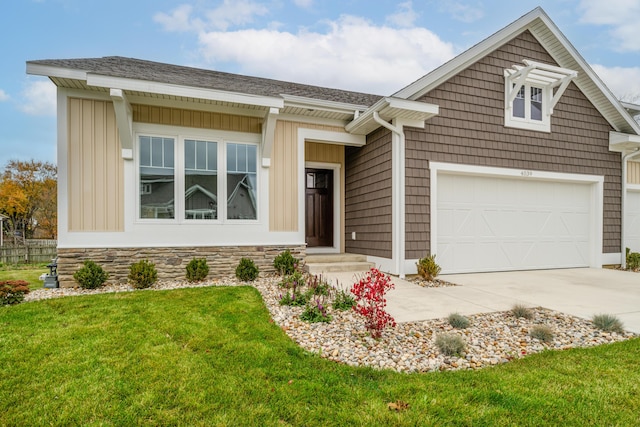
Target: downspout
(623,203)
(397,163)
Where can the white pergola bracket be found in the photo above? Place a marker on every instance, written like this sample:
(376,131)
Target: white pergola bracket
(268,135)
(124,120)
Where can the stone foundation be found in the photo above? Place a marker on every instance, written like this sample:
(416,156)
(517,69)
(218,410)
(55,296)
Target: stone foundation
(170,263)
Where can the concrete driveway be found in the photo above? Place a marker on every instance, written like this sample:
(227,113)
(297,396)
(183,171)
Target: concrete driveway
(581,292)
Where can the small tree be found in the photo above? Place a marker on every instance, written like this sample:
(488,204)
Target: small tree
(370,301)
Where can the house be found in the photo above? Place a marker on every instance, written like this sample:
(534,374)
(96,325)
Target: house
(508,157)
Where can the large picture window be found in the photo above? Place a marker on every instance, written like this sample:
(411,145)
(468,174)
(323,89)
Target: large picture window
(207,188)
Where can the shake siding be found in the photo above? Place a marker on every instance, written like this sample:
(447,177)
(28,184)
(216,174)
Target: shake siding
(470,130)
(283,174)
(368,196)
(95,193)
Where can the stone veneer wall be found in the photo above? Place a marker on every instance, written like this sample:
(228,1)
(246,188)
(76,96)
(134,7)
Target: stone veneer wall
(171,262)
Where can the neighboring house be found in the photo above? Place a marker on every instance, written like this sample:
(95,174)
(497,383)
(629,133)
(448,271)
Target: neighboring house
(507,157)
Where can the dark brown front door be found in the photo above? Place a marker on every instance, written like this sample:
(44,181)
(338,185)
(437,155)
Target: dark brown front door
(319,207)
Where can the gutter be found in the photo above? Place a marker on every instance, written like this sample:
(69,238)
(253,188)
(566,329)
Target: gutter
(623,202)
(397,190)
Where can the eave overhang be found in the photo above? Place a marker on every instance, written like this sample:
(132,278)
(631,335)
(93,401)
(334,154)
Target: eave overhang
(411,113)
(623,143)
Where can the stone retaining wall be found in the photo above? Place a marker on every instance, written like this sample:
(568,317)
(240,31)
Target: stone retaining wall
(171,263)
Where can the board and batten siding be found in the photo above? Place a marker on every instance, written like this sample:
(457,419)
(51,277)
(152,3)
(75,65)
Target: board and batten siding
(470,130)
(368,196)
(283,172)
(633,173)
(195,119)
(95,193)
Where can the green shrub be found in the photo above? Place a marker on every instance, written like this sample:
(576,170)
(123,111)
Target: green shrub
(428,269)
(608,323)
(197,270)
(343,300)
(633,260)
(450,344)
(295,280)
(247,271)
(285,263)
(458,321)
(294,298)
(542,333)
(90,275)
(520,310)
(13,291)
(142,274)
(318,286)
(316,311)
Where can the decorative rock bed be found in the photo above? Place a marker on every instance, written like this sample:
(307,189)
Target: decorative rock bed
(492,338)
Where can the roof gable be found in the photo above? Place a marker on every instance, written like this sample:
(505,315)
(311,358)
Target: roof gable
(538,23)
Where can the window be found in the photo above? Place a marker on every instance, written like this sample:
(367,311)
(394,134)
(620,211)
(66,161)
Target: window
(241,181)
(531,93)
(201,179)
(157,177)
(197,180)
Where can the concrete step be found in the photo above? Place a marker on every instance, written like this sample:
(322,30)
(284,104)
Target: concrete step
(331,263)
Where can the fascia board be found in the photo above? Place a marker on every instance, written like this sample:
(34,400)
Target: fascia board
(622,142)
(185,91)
(49,71)
(320,104)
(428,110)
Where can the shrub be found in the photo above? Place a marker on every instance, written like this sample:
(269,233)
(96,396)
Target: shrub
(247,271)
(520,310)
(90,275)
(370,293)
(316,311)
(294,280)
(197,270)
(542,333)
(318,286)
(285,263)
(293,298)
(428,269)
(343,300)
(142,274)
(608,323)
(450,344)
(13,291)
(633,260)
(458,321)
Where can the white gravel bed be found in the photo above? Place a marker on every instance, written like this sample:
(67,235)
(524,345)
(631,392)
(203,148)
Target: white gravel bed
(492,338)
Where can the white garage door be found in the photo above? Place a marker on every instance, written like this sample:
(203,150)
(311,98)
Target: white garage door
(500,224)
(632,221)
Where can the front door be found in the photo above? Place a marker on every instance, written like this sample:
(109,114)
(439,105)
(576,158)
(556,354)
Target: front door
(319,207)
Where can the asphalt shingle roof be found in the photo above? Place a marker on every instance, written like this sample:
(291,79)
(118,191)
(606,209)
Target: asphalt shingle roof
(117,66)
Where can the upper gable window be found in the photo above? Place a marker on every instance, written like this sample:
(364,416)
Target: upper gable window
(531,92)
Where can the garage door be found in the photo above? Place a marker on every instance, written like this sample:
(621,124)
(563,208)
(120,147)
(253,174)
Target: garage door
(632,221)
(505,223)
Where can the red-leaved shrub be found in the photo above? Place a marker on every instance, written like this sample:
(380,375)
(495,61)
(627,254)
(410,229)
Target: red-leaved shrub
(370,301)
(13,291)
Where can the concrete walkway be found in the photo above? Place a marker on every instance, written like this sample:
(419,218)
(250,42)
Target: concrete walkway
(581,292)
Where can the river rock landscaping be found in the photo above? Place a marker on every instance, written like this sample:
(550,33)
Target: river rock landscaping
(491,338)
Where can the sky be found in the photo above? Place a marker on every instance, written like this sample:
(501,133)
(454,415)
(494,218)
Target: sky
(373,46)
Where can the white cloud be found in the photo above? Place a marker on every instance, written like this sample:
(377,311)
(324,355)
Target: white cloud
(178,20)
(405,17)
(624,82)
(229,13)
(3,96)
(461,12)
(352,54)
(621,15)
(39,98)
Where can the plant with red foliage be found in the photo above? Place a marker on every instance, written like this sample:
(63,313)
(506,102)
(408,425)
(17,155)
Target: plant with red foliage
(13,291)
(370,301)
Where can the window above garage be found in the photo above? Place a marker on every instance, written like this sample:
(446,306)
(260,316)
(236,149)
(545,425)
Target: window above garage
(531,92)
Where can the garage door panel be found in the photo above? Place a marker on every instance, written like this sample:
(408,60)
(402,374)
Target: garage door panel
(495,224)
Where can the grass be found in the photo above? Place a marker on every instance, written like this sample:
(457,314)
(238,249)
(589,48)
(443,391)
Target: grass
(211,356)
(27,272)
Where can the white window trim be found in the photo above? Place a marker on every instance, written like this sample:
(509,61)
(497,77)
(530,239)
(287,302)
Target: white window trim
(180,134)
(543,125)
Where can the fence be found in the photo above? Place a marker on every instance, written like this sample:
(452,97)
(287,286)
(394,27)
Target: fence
(35,251)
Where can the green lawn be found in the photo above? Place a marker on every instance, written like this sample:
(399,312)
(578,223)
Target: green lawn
(211,356)
(27,272)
